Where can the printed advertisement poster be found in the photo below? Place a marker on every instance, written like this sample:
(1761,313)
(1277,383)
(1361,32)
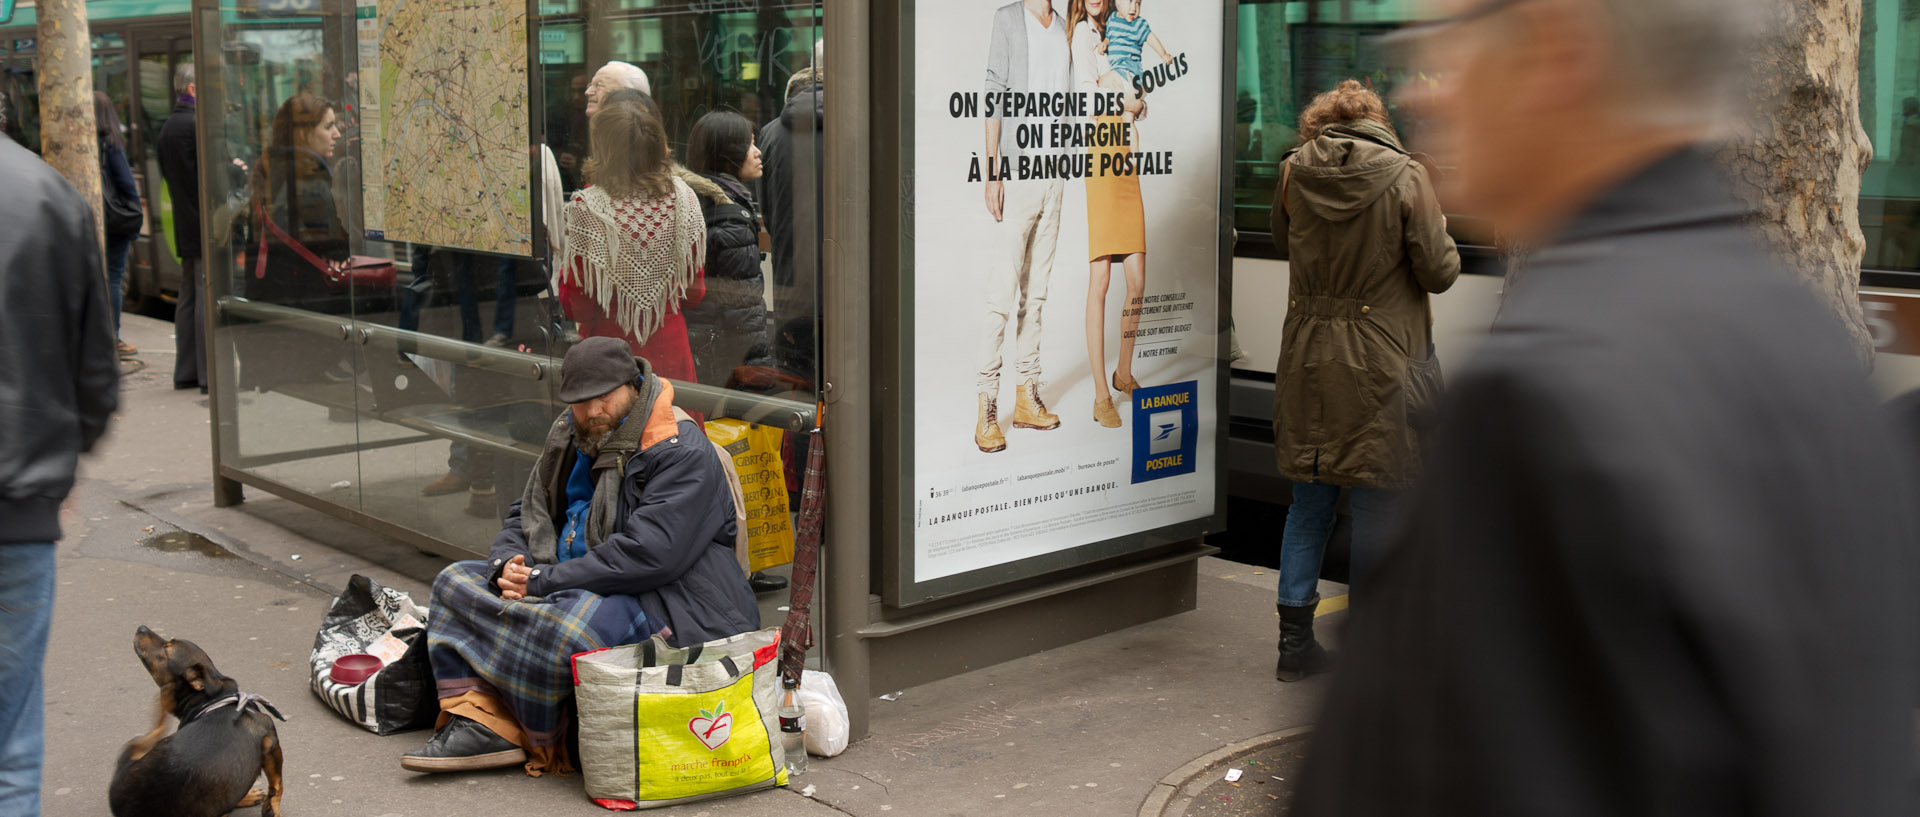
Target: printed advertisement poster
(1066,250)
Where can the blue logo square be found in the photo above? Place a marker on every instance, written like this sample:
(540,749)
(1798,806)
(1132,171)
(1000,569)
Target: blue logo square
(1166,431)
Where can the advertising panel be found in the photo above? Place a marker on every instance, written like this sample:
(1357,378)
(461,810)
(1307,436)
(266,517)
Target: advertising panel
(1065,246)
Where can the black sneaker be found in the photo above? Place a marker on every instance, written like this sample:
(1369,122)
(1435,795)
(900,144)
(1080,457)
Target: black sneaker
(463,745)
(763,583)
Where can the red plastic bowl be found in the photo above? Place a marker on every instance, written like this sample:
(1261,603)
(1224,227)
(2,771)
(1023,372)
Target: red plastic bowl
(355,668)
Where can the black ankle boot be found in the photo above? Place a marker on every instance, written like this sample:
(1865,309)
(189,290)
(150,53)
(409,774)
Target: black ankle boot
(1300,655)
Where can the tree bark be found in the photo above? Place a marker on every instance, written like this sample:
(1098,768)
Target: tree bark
(1800,159)
(64,74)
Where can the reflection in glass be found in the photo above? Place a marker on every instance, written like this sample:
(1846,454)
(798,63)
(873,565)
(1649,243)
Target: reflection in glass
(1890,110)
(424,400)
(729,326)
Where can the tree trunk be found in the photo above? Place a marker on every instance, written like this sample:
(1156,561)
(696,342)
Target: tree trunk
(64,73)
(1800,162)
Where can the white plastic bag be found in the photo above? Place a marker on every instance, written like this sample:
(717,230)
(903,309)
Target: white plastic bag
(827,722)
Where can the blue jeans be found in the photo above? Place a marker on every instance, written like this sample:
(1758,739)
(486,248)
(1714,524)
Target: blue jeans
(1310,523)
(26,612)
(416,295)
(118,247)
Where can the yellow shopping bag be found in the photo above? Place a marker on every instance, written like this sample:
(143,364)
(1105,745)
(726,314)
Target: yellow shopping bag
(661,725)
(763,483)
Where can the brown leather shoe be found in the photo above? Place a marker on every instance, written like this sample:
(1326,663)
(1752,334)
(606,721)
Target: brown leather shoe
(1125,385)
(1104,413)
(1029,411)
(986,430)
(451,483)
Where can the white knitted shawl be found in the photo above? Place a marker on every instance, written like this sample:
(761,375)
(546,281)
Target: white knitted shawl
(636,281)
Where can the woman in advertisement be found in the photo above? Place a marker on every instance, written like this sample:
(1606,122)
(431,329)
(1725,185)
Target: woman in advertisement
(1116,219)
(1367,243)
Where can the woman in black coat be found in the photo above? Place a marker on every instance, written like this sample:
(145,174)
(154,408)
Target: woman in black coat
(729,326)
(297,238)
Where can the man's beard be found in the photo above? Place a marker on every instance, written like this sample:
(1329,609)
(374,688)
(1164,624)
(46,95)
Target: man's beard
(589,442)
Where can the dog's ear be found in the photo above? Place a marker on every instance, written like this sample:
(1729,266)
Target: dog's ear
(196,677)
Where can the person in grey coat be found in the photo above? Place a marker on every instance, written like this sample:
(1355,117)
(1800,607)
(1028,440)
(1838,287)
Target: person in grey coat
(625,531)
(1660,561)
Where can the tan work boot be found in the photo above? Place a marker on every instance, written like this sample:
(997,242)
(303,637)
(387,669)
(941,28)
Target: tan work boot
(1029,411)
(986,431)
(1105,414)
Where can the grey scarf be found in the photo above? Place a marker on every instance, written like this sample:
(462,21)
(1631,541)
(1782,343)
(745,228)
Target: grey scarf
(609,467)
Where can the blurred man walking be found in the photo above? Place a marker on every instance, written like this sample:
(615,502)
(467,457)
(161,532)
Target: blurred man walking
(59,381)
(180,166)
(1658,562)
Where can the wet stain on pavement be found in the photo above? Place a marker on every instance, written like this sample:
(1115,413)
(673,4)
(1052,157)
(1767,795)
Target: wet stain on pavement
(184,542)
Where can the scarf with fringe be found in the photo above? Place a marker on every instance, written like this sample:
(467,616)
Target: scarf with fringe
(636,257)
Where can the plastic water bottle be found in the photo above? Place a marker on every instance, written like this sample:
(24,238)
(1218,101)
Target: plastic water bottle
(793,727)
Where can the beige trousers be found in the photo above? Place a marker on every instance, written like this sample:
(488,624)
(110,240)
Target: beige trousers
(1016,286)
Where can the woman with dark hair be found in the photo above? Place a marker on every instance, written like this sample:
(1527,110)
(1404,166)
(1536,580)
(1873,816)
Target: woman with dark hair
(297,237)
(116,181)
(635,242)
(730,326)
(1367,243)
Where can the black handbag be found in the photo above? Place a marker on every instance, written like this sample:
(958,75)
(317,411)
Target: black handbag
(123,215)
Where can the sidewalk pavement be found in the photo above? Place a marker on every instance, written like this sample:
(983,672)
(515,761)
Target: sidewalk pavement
(1088,729)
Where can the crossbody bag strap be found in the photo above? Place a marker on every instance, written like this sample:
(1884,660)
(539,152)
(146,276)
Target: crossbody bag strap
(260,266)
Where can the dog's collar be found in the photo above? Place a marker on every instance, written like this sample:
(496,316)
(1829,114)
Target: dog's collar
(240,701)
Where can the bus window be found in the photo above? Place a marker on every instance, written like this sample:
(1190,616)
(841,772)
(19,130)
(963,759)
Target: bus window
(1890,110)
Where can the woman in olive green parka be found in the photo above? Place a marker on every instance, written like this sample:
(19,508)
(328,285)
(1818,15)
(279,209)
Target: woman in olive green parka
(1367,243)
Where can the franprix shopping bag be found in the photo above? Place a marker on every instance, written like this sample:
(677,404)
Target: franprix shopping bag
(385,623)
(763,481)
(661,725)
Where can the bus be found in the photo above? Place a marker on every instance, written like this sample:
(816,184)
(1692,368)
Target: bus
(136,44)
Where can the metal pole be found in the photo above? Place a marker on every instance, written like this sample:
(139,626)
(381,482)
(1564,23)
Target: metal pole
(64,74)
(847,335)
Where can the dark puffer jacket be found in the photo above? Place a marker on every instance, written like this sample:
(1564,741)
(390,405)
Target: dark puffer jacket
(730,325)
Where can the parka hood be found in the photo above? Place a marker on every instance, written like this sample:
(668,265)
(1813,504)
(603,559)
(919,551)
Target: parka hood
(707,189)
(808,105)
(1346,168)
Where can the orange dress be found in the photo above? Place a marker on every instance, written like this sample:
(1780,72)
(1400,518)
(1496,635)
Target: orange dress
(1116,218)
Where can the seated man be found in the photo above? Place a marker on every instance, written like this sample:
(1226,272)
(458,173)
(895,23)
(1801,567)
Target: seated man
(626,530)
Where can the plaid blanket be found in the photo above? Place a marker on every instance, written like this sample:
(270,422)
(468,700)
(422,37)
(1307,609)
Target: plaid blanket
(521,651)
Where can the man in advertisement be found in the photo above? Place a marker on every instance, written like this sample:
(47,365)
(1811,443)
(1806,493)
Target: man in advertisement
(1028,54)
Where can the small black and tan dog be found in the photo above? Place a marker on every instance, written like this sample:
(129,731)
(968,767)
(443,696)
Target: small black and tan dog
(206,768)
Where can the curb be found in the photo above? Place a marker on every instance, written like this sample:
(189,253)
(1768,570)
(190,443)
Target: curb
(1172,790)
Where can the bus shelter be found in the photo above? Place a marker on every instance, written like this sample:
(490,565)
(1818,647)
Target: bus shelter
(962,206)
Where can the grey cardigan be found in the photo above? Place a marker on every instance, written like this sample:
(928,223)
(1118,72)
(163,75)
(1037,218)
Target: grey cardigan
(1007,55)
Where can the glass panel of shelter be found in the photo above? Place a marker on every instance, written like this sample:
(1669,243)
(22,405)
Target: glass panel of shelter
(369,394)
(283,350)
